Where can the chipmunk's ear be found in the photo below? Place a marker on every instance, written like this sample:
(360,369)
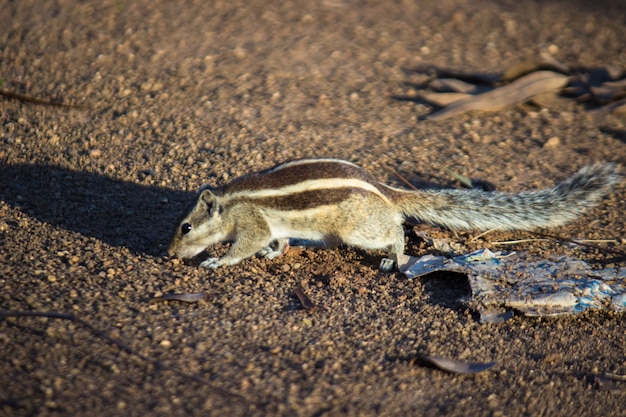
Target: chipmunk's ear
(208,201)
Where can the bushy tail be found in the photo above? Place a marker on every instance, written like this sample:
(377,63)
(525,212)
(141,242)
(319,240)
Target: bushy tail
(483,210)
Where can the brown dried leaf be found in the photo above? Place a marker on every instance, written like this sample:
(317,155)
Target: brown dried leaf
(611,90)
(614,72)
(471,77)
(621,84)
(547,60)
(442,99)
(517,70)
(509,95)
(457,366)
(186,297)
(452,85)
(304,299)
(552,100)
(616,107)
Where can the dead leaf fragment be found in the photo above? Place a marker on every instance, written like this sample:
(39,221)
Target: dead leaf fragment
(549,60)
(519,69)
(546,62)
(304,299)
(506,96)
(616,107)
(457,366)
(546,82)
(433,71)
(551,100)
(609,91)
(442,99)
(192,297)
(453,85)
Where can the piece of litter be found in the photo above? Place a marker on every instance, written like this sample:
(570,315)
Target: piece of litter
(533,286)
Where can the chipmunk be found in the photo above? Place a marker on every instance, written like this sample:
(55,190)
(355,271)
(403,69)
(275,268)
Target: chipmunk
(331,201)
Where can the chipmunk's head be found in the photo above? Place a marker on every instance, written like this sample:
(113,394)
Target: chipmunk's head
(200,227)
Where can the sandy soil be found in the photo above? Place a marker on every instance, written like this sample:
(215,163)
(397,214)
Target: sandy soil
(186,93)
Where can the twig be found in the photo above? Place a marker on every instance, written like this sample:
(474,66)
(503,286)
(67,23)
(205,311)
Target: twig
(482,234)
(35,100)
(580,243)
(595,240)
(514,242)
(101,334)
(397,174)
(615,377)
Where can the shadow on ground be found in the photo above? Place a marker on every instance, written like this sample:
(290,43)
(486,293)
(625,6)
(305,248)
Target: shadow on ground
(447,289)
(119,213)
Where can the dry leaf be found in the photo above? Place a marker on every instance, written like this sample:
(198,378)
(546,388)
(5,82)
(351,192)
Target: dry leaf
(509,95)
(616,107)
(471,77)
(457,366)
(304,299)
(186,297)
(442,99)
(452,85)
(551,100)
(609,91)
(550,61)
(547,62)
(517,70)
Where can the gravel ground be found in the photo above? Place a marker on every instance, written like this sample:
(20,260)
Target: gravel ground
(181,94)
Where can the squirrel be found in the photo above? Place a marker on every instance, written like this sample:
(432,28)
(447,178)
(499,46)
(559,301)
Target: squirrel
(330,201)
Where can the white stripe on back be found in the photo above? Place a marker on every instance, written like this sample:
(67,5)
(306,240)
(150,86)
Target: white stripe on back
(310,161)
(310,185)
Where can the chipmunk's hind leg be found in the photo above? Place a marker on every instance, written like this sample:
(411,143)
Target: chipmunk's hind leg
(395,249)
(379,233)
(269,252)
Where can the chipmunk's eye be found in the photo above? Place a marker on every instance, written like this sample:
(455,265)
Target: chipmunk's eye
(185,228)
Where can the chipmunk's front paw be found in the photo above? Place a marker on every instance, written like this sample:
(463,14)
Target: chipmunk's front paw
(269,253)
(211,263)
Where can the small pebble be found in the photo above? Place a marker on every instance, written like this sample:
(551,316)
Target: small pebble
(553,142)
